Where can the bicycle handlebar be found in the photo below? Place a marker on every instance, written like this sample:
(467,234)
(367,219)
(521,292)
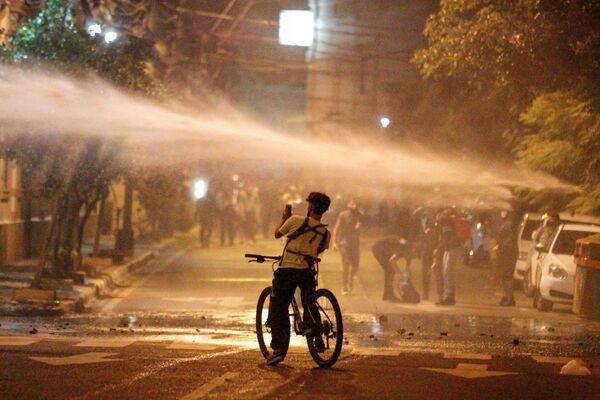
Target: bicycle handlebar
(261,259)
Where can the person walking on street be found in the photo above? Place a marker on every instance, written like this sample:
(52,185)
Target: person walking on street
(307,237)
(507,254)
(346,234)
(387,252)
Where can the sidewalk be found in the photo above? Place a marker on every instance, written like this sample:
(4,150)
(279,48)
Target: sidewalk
(62,296)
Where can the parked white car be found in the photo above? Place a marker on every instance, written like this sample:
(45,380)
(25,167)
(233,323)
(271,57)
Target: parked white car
(555,265)
(531,221)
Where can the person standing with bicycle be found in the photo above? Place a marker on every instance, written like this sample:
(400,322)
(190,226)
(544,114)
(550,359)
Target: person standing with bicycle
(307,237)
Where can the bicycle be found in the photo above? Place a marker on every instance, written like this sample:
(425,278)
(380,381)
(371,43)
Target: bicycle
(328,324)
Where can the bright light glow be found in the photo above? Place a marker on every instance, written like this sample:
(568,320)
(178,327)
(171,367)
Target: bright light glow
(296,28)
(94,29)
(200,189)
(385,122)
(110,36)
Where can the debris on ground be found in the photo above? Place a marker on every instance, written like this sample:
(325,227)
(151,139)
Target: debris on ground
(551,329)
(33,331)
(575,367)
(515,341)
(411,333)
(401,331)
(443,333)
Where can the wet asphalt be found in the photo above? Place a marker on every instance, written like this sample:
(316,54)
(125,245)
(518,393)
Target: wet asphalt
(184,325)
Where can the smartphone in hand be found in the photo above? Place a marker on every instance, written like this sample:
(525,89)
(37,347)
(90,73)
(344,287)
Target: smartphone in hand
(287,212)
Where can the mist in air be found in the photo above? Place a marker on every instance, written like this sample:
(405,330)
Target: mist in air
(38,102)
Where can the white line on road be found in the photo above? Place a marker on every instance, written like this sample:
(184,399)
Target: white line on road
(470,371)
(17,341)
(117,342)
(468,356)
(208,387)
(122,294)
(553,360)
(86,358)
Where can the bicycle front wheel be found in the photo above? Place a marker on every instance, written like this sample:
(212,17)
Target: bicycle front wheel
(263,326)
(325,342)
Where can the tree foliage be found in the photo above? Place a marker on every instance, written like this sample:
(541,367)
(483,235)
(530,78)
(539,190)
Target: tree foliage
(74,172)
(539,62)
(523,46)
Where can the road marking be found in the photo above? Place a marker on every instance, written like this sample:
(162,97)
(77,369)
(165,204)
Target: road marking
(468,356)
(237,280)
(17,341)
(183,345)
(553,360)
(122,294)
(208,387)
(470,371)
(106,343)
(373,351)
(232,302)
(86,358)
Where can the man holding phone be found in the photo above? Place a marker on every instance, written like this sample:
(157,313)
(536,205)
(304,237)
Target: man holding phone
(307,237)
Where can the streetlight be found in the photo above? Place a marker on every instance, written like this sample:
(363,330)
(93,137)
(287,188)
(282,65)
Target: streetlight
(94,29)
(296,28)
(110,36)
(200,188)
(385,122)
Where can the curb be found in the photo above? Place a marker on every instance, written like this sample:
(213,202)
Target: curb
(96,287)
(101,285)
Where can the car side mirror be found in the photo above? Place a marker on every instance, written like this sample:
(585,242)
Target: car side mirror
(540,248)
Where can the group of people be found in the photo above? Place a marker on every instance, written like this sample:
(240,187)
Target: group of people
(239,212)
(441,242)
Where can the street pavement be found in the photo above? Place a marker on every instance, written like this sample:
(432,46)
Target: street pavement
(183,328)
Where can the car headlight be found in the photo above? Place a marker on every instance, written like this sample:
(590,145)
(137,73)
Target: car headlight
(558,272)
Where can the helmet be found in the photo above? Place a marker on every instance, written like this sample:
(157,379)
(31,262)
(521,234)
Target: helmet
(320,200)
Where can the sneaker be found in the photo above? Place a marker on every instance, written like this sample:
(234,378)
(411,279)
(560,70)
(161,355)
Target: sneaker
(274,359)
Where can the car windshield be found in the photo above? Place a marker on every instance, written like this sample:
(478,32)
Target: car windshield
(565,243)
(530,226)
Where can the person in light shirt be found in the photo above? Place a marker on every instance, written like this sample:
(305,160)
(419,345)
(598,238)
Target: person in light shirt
(307,237)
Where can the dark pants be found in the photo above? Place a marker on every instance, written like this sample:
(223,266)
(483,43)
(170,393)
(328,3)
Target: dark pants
(227,227)
(206,229)
(437,269)
(285,282)
(426,263)
(350,254)
(388,276)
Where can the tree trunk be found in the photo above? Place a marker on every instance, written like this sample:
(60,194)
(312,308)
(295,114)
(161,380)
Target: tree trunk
(50,233)
(96,249)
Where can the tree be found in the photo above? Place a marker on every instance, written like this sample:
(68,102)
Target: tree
(538,61)
(74,172)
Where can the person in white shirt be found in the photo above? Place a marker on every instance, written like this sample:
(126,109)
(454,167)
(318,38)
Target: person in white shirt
(307,237)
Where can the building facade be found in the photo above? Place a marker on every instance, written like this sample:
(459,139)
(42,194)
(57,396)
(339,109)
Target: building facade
(11,224)
(359,58)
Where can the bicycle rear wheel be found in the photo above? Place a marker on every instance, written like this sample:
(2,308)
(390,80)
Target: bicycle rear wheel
(263,329)
(330,331)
